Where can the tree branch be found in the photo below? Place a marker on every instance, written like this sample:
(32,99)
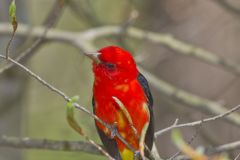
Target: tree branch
(28,143)
(36,32)
(196,123)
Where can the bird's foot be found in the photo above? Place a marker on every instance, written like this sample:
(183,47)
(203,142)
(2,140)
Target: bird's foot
(137,155)
(114,130)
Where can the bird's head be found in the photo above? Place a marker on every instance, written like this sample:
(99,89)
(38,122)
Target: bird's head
(113,63)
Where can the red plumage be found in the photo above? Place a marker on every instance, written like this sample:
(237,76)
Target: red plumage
(117,77)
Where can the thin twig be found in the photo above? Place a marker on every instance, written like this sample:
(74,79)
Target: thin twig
(196,123)
(100,148)
(189,142)
(223,148)
(38,78)
(9,43)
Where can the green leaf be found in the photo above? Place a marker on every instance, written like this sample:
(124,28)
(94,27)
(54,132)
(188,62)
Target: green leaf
(70,115)
(70,105)
(12,10)
(12,14)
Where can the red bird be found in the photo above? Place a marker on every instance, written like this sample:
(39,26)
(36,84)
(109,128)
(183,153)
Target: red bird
(121,97)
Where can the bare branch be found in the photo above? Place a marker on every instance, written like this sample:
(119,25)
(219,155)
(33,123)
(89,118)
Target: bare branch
(189,142)
(155,152)
(38,78)
(28,143)
(36,32)
(224,148)
(196,123)
(10,42)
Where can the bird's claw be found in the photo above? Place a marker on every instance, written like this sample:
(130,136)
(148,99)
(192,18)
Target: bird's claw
(113,130)
(137,155)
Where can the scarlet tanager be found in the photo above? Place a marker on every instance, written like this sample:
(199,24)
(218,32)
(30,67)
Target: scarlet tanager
(121,97)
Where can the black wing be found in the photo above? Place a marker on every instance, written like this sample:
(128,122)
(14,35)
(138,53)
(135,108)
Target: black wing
(149,138)
(109,144)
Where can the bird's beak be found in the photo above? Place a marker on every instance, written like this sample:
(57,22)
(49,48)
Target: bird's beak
(94,56)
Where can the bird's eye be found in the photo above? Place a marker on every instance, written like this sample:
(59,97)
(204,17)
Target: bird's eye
(110,66)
